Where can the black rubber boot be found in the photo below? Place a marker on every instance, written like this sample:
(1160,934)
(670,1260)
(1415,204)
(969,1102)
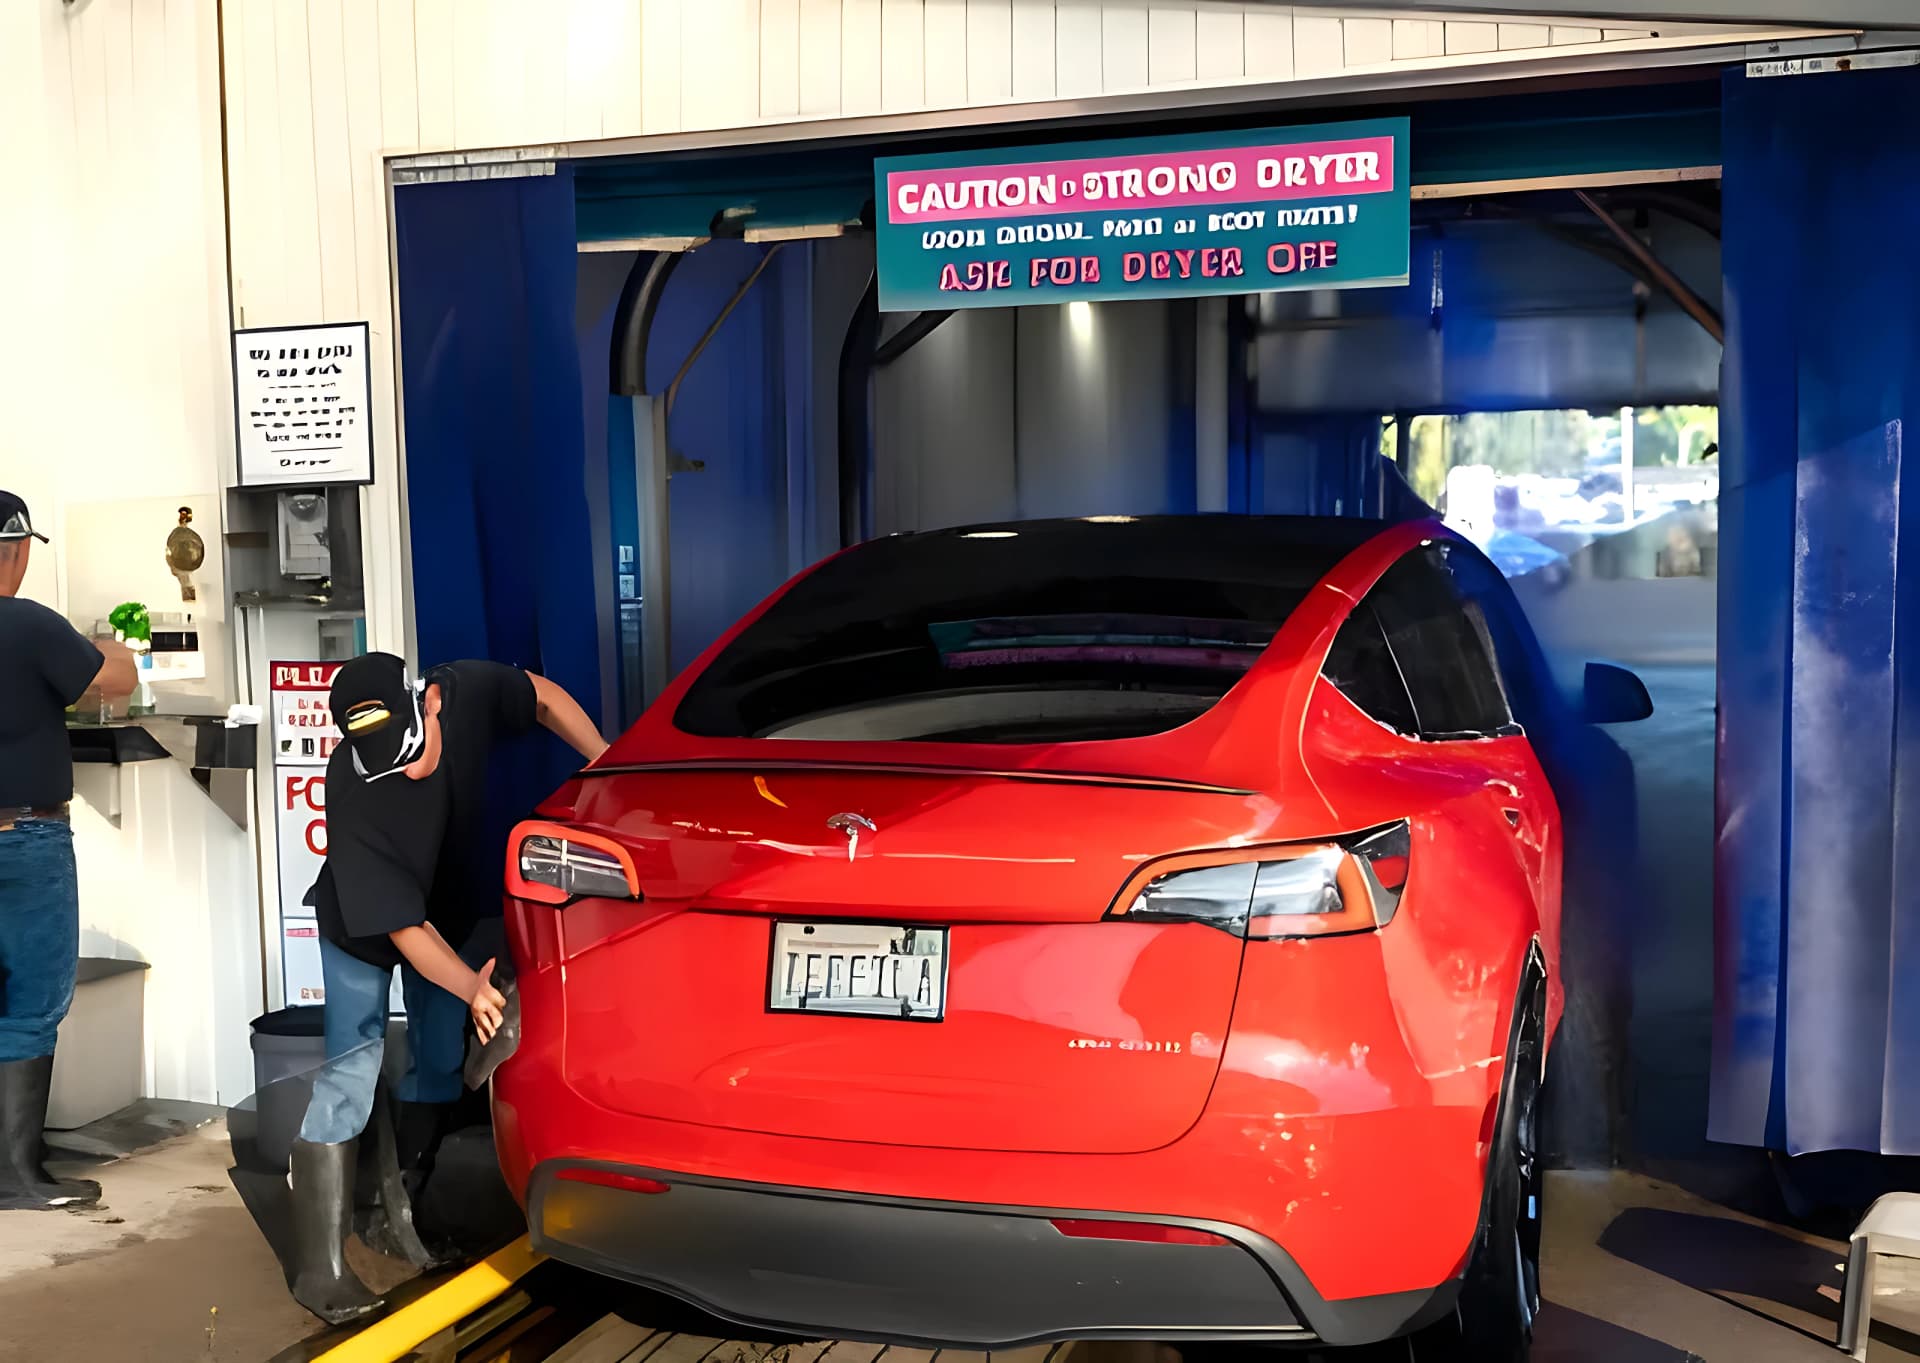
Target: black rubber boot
(406,1152)
(322,1178)
(418,1129)
(25,1183)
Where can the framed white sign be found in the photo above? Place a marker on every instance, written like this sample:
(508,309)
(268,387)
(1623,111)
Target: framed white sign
(302,405)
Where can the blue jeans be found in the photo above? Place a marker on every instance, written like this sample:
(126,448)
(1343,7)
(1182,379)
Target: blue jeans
(39,936)
(356,1032)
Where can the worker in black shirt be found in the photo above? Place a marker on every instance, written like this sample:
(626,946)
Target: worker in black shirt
(407,873)
(45,666)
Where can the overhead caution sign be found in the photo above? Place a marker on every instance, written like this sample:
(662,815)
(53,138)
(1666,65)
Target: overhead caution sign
(1322,207)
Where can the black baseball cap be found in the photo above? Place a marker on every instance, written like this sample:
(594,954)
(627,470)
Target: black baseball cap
(377,708)
(15,521)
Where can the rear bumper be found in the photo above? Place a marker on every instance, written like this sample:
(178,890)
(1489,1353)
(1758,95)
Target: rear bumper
(939,1274)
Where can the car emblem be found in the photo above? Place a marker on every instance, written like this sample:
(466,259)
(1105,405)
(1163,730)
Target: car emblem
(852,825)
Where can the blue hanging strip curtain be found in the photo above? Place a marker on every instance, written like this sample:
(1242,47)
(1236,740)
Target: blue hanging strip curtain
(1817,914)
(495,448)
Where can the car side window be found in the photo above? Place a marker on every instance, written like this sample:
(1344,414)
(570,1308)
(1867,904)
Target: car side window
(1440,642)
(1524,674)
(1361,665)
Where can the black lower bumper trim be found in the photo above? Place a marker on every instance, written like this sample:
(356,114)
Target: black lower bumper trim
(938,1274)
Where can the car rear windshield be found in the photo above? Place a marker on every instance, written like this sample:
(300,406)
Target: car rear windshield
(1039,632)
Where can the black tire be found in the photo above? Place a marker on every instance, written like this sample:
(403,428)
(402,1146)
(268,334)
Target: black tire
(1500,1298)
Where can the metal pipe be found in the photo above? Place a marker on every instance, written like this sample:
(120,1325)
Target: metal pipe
(855,449)
(1210,439)
(673,389)
(909,336)
(651,458)
(1690,302)
(633,322)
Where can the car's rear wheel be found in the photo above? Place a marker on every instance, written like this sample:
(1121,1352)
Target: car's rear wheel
(1493,1320)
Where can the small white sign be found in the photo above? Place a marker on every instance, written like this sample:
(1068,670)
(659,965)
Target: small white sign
(303,405)
(303,737)
(304,734)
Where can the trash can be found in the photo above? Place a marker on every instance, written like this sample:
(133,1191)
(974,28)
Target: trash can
(289,1047)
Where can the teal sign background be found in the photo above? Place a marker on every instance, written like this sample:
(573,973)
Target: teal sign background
(1248,211)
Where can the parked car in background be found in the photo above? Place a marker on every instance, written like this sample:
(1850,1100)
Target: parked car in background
(1073,929)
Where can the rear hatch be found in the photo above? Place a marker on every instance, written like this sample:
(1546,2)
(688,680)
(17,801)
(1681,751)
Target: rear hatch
(1035,1025)
(1048,648)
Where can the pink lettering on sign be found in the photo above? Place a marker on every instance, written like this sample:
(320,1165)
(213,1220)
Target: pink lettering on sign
(1059,271)
(1228,175)
(976,275)
(1287,257)
(1221,262)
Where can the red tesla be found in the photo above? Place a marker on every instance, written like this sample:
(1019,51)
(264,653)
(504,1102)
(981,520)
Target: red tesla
(1102,928)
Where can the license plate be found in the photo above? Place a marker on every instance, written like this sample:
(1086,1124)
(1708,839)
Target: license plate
(858,970)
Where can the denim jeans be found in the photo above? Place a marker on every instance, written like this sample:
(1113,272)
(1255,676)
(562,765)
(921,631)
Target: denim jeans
(356,1031)
(39,936)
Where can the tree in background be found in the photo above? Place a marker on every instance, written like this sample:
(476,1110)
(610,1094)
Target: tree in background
(1554,444)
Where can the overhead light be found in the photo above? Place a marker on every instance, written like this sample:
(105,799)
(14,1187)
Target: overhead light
(1080,321)
(1109,520)
(990,535)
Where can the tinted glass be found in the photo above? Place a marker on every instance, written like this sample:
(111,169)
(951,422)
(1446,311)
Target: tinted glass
(1362,666)
(1524,674)
(1046,631)
(1441,645)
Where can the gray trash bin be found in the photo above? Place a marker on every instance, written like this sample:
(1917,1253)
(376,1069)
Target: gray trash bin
(289,1045)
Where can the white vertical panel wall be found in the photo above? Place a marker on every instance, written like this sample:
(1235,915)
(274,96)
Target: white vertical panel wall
(318,90)
(115,386)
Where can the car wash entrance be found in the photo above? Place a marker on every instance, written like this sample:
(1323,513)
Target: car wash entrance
(1506,313)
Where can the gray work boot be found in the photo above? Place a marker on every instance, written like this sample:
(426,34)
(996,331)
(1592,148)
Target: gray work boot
(321,1281)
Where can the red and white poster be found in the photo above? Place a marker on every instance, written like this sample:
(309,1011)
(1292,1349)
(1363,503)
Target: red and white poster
(304,736)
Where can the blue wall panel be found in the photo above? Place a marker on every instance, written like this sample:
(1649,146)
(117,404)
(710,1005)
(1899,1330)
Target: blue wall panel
(1816,1028)
(502,561)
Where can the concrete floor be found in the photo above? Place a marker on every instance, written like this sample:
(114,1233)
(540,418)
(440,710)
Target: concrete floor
(169,1270)
(172,1271)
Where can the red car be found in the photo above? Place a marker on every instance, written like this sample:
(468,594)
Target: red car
(1073,929)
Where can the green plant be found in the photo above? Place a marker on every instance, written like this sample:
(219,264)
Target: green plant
(129,619)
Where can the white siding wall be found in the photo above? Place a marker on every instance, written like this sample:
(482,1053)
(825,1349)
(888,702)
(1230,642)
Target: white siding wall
(113,379)
(114,408)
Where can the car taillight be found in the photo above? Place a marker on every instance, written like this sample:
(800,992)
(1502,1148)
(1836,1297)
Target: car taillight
(553,864)
(1353,884)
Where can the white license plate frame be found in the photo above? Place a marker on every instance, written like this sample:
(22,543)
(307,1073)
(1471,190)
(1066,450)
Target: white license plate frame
(835,968)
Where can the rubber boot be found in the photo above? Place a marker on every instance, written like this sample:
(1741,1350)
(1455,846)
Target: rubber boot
(405,1162)
(25,1183)
(322,1179)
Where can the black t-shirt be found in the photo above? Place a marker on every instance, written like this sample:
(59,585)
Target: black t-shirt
(402,852)
(45,666)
